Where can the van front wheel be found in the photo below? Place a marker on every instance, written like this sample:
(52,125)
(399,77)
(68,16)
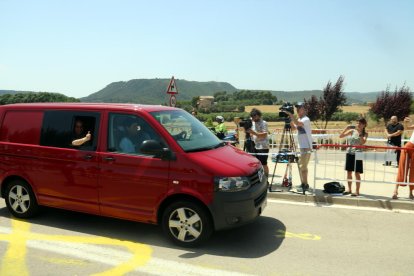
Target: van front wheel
(186,223)
(20,199)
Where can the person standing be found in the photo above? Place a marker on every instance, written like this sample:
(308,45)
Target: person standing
(259,133)
(356,136)
(394,132)
(406,163)
(303,125)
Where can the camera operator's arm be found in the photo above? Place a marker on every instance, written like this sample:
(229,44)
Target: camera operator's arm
(256,133)
(260,131)
(294,122)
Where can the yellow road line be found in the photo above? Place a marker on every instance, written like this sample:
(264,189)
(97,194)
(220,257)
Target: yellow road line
(14,261)
(303,236)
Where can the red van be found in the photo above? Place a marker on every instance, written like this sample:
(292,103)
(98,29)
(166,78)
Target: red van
(151,164)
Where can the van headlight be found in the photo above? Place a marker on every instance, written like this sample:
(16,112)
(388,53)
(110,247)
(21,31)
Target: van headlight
(232,184)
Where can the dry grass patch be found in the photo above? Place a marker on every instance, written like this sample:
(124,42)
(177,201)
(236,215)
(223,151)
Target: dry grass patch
(275,108)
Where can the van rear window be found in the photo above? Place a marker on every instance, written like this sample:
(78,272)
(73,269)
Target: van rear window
(22,127)
(60,128)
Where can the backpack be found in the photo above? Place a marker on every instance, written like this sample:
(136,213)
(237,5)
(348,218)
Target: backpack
(333,188)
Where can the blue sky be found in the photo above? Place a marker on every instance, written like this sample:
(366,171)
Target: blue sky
(78,47)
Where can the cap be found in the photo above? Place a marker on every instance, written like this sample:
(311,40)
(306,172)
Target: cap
(220,118)
(299,104)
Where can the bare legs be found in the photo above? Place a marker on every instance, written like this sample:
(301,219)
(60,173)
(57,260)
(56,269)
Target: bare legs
(357,182)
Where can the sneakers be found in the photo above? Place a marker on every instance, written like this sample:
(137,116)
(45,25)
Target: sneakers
(300,190)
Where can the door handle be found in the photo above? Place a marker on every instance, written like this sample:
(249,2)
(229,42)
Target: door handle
(109,158)
(88,157)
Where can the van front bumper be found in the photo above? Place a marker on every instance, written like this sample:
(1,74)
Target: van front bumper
(232,209)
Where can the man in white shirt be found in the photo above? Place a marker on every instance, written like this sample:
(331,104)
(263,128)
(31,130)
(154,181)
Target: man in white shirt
(303,125)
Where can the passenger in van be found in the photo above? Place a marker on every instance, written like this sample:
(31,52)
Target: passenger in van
(79,137)
(131,143)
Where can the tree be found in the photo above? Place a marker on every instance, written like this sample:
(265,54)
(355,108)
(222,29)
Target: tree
(40,97)
(330,102)
(194,101)
(313,109)
(332,98)
(390,104)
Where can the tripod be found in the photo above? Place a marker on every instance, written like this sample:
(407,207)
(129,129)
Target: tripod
(248,144)
(287,154)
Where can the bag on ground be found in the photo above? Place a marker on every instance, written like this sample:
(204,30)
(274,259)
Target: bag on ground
(333,188)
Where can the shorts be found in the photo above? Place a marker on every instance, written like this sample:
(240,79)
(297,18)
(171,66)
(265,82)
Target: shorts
(304,158)
(351,165)
(262,156)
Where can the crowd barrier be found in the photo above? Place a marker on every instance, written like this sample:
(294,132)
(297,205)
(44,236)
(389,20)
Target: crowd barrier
(329,163)
(376,137)
(329,157)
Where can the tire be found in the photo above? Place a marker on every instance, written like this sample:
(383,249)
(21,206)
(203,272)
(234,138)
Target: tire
(187,223)
(20,199)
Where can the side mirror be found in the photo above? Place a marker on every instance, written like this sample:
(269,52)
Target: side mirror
(152,147)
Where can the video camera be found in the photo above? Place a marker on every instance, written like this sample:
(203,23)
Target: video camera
(246,124)
(286,107)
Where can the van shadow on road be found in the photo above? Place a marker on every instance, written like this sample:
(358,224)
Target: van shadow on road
(253,240)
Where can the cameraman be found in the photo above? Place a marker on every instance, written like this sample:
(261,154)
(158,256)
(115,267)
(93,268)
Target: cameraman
(259,135)
(303,125)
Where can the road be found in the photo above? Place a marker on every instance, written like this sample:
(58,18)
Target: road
(289,239)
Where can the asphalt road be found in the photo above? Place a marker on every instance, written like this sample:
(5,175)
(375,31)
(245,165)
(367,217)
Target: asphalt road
(289,239)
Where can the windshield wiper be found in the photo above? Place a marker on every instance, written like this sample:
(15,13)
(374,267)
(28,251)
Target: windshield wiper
(221,144)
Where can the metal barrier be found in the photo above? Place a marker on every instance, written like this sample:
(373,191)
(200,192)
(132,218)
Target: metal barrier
(329,163)
(329,158)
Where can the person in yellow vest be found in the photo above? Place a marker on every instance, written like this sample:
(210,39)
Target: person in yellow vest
(220,128)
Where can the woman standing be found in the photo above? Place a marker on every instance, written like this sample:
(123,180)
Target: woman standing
(406,162)
(356,136)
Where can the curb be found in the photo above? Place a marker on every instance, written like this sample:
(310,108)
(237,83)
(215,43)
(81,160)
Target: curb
(388,204)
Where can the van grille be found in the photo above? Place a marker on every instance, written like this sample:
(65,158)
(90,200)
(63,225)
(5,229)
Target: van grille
(254,179)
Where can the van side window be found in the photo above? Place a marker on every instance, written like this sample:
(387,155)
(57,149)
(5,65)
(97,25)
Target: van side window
(126,133)
(70,129)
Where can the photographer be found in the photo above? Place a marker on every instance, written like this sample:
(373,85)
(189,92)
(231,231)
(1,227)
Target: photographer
(303,125)
(259,134)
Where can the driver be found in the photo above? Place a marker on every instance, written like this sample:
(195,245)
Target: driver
(134,136)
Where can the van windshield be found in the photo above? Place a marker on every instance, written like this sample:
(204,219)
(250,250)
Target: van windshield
(187,130)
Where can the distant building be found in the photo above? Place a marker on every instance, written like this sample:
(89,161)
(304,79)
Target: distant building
(205,102)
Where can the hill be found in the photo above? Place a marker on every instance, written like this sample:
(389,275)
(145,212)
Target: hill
(152,91)
(4,92)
